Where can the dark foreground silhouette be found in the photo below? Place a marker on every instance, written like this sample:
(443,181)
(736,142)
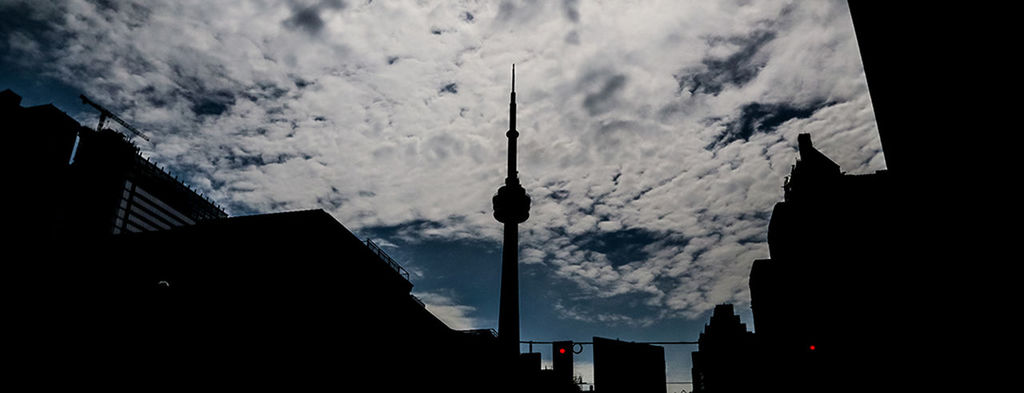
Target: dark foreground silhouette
(119,275)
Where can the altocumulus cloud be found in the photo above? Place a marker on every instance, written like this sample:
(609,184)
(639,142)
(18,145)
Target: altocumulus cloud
(655,136)
(455,315)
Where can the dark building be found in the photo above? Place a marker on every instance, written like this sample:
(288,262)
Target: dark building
(841,249)
(726,356)
(828,237)
(859,263)
(833,299)
(91,183)
(275,300)
(909,54)
(838,246)
(128,193)
(628,367)
(38,142)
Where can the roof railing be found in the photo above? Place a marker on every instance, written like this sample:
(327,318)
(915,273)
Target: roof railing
(418,301)
(482,332)
(387,259)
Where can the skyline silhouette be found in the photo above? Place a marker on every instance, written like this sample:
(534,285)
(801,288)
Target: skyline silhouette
(639,227)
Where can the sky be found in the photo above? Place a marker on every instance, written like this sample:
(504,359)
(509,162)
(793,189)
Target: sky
(655,136)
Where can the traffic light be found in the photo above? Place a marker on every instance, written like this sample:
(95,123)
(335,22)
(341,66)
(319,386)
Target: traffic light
(561,355)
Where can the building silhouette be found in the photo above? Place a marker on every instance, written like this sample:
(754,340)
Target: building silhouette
(277,298)
(39,141)
(827,301)
(860,262)
(92,182)
(727,355)
(129,193)
(628,367)
(840,247)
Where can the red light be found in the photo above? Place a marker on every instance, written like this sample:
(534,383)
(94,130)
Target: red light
(812,347)
(561,350)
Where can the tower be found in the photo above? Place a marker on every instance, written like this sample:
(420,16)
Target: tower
(511,207)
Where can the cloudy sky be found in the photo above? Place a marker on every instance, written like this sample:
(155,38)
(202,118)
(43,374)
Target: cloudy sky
(655,135)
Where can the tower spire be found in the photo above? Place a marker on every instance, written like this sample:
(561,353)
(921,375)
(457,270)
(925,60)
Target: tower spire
(511,207)
(512,134)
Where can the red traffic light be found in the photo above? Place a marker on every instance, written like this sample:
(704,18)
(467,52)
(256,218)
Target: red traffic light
(562,349)
(561,359)
(813,347)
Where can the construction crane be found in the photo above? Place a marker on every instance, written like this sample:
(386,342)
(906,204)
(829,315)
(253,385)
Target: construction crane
(106,114)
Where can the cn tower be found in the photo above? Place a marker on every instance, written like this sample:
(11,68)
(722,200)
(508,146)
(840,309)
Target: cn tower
(511,207)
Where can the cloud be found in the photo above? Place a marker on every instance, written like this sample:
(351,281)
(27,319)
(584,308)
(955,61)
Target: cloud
(450,88)
(762,118)
(572,10)
(654,141)
(605,319)
(308,18)
(603,100)
(518,11)
(743,63)
(454,315)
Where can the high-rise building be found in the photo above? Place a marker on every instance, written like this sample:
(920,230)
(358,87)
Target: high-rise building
(727,355)
(837,244)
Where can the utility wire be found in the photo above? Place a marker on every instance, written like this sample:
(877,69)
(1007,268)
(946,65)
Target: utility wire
(631,342)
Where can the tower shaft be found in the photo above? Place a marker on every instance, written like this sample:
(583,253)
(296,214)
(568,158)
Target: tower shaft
(508,312)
